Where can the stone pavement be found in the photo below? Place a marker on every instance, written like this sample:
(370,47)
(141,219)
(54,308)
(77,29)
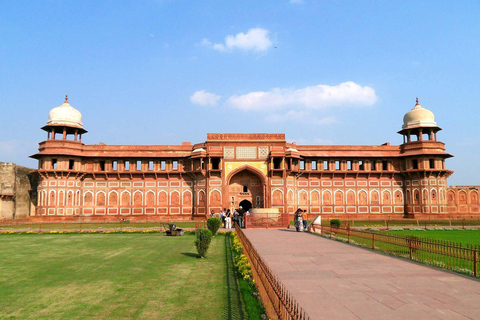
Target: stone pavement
(333,280)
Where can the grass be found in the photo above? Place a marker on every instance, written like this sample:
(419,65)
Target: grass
(464,237)
(452,257)
(121,276)
(92,225)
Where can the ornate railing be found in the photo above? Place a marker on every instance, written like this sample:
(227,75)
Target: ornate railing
(278,301)
(440,253)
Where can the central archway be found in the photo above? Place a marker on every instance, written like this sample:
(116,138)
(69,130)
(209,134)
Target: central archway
(245,204)
(246,188)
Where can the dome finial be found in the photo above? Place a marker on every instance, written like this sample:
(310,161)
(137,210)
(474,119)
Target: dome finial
(417,102)
(66,98)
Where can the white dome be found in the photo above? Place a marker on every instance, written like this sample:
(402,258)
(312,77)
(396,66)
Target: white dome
(66,115)
(418,117)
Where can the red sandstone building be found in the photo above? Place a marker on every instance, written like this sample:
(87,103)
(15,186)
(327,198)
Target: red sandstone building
(250,170)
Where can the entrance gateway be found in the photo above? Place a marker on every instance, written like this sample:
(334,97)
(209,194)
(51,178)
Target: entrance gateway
(246,190)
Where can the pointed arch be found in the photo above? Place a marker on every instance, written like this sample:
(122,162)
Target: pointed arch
(61,198)
(125,199)
(215,198)
(113,198)
(88,198)
(77,198)
(474,197)
(374,198)
(339,197)
(70,198)
(302,198)
(451,197)
(362,197)
(416,196)
(327,197)
(462,197)
(201,198)
(398,197)
(350,197)
(386,197)
(425,198)
(249,168)
(290,197)
(51,198)
(277,197)
(162,198)
(187,198)
(150,198)
(100,199)
(315,197)
(433,196)
(175,198)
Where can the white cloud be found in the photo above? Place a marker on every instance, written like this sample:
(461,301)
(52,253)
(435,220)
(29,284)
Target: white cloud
(313,97)
(256,40)
(205,98)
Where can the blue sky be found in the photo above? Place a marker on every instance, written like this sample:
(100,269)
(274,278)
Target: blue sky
(163,72)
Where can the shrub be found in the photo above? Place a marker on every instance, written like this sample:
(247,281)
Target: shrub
(204,237)
(335,223)
(213,224)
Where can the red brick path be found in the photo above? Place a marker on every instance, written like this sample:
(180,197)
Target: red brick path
(333,280)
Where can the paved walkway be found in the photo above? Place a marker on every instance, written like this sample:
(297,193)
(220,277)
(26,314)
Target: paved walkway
(333,280)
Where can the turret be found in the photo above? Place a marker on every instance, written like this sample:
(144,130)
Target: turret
(64,120)
(423,164)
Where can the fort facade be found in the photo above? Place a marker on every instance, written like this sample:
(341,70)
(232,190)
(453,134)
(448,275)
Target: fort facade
(257,170)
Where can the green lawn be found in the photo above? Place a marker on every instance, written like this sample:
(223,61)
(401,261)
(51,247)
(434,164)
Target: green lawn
(463,236)
(121,276)
(92,225)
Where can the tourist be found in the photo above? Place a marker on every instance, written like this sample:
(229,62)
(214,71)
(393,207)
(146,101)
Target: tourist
(304,217)
(235,218)
(222,217)
(241,213)
(228,220)
(212,213)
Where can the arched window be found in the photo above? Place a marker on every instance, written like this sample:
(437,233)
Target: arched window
(112,199)
(187,198)
(434,197)
(327,198)
(362,197)
(162,199)
(61,198)
(88,199)
(150,199)
(137,199)
(350,198)
(386,197)
(175,198)
(416,197)
(375,198)
(398,197)
(277,198)
(338,198)
(125,201)
(100,199)
(315,198)
(302,198)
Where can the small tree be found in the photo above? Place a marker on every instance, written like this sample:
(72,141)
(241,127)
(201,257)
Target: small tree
(204,237)
(213,224)
(335,223)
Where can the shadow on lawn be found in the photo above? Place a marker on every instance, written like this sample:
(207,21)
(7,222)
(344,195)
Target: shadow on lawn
(189,254)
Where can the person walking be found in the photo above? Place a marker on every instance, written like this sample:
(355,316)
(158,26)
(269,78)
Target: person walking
(304,218)
(228,219)
(241,214)
(222,217)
